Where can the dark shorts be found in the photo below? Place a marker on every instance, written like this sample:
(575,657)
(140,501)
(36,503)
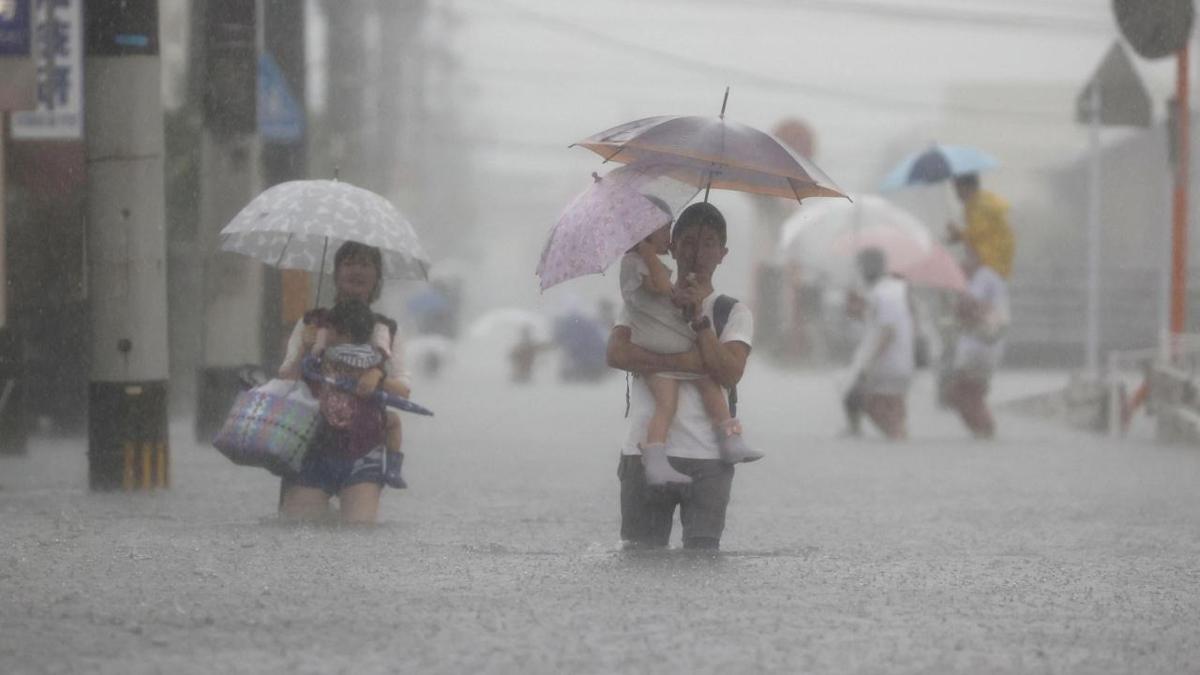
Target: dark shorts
(333,473)
(647,513)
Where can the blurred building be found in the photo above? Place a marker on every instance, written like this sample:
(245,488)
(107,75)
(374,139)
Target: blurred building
(1049,299)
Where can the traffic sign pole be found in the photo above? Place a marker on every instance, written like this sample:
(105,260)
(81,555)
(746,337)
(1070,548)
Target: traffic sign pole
(1179,233)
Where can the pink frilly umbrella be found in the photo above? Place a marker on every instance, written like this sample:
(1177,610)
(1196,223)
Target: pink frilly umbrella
(616,212)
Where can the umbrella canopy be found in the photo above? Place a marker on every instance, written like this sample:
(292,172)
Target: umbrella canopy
(715,152)
(938,269)
(901,250)
(807,238)
(936,164)
(300,224)
(927,264)
(608,219)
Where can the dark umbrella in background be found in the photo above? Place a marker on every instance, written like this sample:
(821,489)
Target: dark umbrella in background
(936,164)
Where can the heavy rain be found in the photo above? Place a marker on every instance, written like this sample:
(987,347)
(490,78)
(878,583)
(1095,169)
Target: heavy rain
(459,336)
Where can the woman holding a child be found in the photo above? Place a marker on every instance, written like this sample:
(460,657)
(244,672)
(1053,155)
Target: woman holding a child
(356,448)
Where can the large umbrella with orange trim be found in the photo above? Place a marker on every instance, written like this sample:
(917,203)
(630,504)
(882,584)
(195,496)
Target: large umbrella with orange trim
(713,152)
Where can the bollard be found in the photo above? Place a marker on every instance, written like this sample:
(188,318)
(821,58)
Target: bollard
(14,419)
(128,447)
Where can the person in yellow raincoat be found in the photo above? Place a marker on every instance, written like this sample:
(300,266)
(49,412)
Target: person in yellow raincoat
(987,231)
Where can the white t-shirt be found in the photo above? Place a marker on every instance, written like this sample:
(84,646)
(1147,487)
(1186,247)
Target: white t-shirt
(973,351)
(691,434)
(887,307)
(656,324)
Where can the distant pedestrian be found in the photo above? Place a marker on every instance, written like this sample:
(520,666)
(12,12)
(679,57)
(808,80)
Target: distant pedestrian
(883,364)
(983,316)
(987,229)
(524,355)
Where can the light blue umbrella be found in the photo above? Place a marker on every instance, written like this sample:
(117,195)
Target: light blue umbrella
(936,164)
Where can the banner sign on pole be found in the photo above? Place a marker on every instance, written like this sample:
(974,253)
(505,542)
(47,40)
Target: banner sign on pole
(14,28)
(58,50)
(280,117)
(18,74)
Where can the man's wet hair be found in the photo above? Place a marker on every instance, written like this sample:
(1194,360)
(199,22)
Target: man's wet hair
(872,262)
(354,319)
(967,180)
(700,214)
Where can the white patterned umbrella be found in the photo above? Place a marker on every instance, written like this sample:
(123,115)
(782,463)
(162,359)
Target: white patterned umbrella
(300,224)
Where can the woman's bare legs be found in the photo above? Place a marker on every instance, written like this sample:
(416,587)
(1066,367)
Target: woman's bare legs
(360,503)
(304,504)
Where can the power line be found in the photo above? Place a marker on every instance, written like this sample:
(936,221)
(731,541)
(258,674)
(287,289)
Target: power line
(979,17)
(768,81)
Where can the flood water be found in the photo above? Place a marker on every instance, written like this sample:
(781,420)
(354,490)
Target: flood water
(1048,550)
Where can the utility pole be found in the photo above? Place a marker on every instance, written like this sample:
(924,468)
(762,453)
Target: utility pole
(284,155)
(1179,198)
(229,179)
(123,121)
(346,77)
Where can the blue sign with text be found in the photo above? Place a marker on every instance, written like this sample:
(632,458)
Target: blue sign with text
(15,34)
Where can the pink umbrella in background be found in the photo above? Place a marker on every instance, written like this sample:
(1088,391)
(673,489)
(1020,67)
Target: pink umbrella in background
(924,263)
(938,269)
(608,219)
(901,248)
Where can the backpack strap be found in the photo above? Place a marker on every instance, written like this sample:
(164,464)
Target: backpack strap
(722,307)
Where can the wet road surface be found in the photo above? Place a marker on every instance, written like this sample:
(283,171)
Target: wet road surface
(1047,550)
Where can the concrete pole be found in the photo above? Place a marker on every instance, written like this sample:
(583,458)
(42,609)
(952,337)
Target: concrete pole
(1092,340)
(289,291)
(127,276)
(3,227)
(229,178)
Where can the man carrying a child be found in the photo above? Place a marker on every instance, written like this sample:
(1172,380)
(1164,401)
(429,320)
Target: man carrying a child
(692,447)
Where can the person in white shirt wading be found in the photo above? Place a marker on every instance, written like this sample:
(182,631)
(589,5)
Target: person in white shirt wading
(883,363)
(983,315)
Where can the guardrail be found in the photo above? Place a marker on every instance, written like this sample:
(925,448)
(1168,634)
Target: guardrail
(1165,379)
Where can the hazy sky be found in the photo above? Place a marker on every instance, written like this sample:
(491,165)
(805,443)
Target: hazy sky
(870,76)
(862,72)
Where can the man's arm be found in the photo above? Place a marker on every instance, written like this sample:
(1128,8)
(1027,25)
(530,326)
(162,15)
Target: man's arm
(624,355)
(724,362)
